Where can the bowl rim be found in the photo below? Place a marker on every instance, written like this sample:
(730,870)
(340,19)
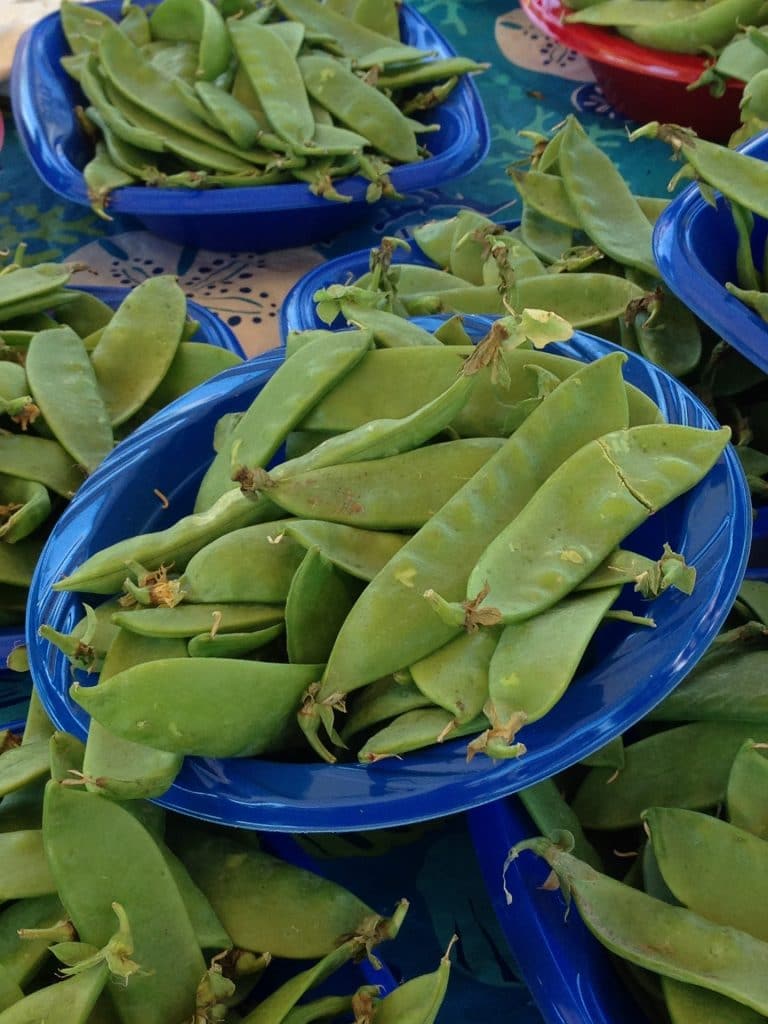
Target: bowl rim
(59,174)
(315,797)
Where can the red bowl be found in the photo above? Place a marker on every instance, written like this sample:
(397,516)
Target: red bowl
(641,83)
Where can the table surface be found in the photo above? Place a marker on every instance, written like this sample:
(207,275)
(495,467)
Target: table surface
(532,84)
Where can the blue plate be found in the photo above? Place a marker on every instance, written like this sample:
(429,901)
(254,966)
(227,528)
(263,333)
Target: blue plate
(257,218)
(694,245)
(212,330)
(569,974)
(632,669)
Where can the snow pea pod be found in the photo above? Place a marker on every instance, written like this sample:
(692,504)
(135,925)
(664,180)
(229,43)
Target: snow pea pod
(99,853)
(27,283)
(380,701)
(167,704)
(41,460)
(22,765)
(745,794)
(726,685)
(229,115)
(689,1004)
(65,388)
(359,553)
(706,29)
(18,561)
(67,1002)
(102,177)
(211,933)
(455,676)
(318,601)
(700,857)
(388,329)
(194,363)
(116,122)
(668,334)
(551,814)
(232,645)
(360,493)
(137,347)
(82,26)
(187,620)
(582,299)
(414,730)
(628,13)
(22,958)
(25,869)
(443,551)
(197,21)
(10,992)
(418,1000)
(24,505)
(281,404)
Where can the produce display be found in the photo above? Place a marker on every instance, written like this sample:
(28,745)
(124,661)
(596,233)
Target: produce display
(76,375)
(191,95)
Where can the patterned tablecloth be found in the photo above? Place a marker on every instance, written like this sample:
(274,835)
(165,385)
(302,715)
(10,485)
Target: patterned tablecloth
(531,85)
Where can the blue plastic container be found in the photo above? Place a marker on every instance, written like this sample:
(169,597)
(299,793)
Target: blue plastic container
(630,669)
(212,330)
(569,974)
(694,245)
(258,218)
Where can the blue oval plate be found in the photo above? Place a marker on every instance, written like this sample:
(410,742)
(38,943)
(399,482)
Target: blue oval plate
(631,669)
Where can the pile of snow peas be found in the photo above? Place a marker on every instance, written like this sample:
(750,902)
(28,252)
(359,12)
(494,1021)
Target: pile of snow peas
(76,375)
(113,910)
(200,95)
(684,798)
(267,587)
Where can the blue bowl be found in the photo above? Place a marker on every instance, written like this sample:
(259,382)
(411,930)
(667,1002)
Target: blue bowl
(568,972)
(632,669)
(694,245)
(212,330)
(258,218)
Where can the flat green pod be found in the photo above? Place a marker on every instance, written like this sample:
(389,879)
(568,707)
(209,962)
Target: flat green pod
(188,620)
(232,645)
(25,867)
(22,958)
(691,1004)
(24,505)
(455,676)
(69,1001)
(745,796)
(379,701)
(22,765)
(318,601)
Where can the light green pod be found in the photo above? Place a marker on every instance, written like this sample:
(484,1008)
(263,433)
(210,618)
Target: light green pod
(67,1002)
(22,765)
(552,814)
(455,676)
(10,992)
(24,505)
(728,684)
(318,601)
(745,796)
(690,1004)
(418,1000)
(360,553)
(25,868)
(232,645)
(414,730)
(22,958)
(188,620)
(379,701)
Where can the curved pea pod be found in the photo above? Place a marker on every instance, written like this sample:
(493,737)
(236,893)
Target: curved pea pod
(434,238)
(166,704)
(228,114)
(629,923)
(137,347)
(41,460)
(705,29)
(418,1000)
(442,553)
(211,933)
(552,814)
(266,903)
(26,283)
(68,1002)
(388,329)
(25,869)
(547,194)
(455,676)
(727,685)
(254,564)
(546,237)
(198,21)
(689,1004)
(481,299)
(232,645)
(81,26)
(415,730)
(318,601)
(325,1007)
(22,765)
(188,620)
(700,857)
(668,335)
(280,406)
(22,958)
(650,578)
(66,756)
(360,493)
(91,637)
(360,553)
(122,863)
(453,332)
(359,107)
(379,701)
(581,299)
(529,672)
(24,505)
(471,234)
(745,795)
(633,473)
(686,766)
(104,572)
(116,767)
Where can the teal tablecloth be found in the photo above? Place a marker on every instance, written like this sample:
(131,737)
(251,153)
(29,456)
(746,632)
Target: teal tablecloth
(532,84)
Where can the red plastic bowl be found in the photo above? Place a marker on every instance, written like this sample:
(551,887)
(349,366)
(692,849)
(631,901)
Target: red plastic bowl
(641,83)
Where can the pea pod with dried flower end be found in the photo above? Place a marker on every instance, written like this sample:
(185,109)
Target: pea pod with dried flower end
(629,923)
(540,557)
(266,903)
(67,1002)
(690,1004)
(745,796)
(20,957)
(187,620)
(418,1000)
(66,756)
(318,601)
(650,577)
(137,347)
(326,1007)
(360,493)
(114,766)
(552,814)
(24,505)
(699,856)
(686,766)
(379,702)
(232,645)
(443,551)
(282,404)
(104,572)
(415,730)
(166,704)
(122,863)
(455,676)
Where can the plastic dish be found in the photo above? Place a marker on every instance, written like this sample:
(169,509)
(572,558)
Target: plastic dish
(212,330)
(631,671)
(569,974)
(641,83)
(694,245)
(258,218)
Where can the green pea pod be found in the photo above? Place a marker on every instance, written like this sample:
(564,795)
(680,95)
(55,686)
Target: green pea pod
(25,869)
(68,1002)
(232,645)
(281,405)
(211,933)
(318,601)
(418,1000)
(443,551)
(360,553)
(690,1004)
(434,239)
(547,194)
(10,992)
(22,958)
(65,388)
(650,578)
(668,334)
(414,730)
(322,1008)
(90,639)
(745,794)
(201,22)
(754,593)
(754,298)
(24,505)
(551,814)
(380,701)
(27,283)
(628,923)
(581,299)
(635,472)
(66,756)
(229,115)
(700,856)
(726,685)
(123,864)
(137,347)
(455,676)
(266,903)
(38,726)
(102,176)
(546,237)
(453,332)
(166,704)
(686,766)
(18,561)
(707,28)
(85,314)
(388,329)
(609,756)
(471,234)
(82,26)
(188,620)
(22,765)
